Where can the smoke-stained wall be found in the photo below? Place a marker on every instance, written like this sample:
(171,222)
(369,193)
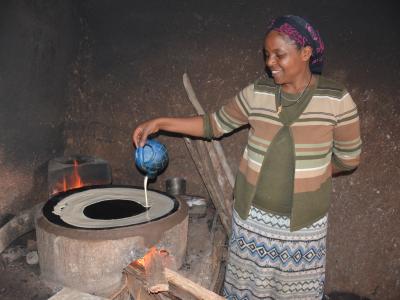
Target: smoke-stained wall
(38,41)
(129,67)
(136,55)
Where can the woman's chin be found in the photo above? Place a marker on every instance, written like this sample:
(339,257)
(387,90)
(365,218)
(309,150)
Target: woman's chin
(277,80)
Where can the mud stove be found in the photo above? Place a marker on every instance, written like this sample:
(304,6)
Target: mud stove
(86,236)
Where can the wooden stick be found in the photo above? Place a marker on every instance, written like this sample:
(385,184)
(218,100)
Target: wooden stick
(217,145)
(204,166)
(190,287)
(220,179)
(219,253)
(221,183)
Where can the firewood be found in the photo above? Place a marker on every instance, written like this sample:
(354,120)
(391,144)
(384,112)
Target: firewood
(189,286)
(143,274)
(17,226)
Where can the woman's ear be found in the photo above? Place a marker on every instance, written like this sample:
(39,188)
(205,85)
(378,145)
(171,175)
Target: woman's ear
(306,53)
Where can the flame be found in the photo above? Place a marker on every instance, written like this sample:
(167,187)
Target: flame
(76,179)
(146,259)
(69,182)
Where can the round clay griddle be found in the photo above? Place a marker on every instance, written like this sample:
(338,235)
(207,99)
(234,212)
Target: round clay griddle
(105,207)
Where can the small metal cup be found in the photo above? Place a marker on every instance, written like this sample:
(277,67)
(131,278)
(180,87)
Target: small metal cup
(175,186)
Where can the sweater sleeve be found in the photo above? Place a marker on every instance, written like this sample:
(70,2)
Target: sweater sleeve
(346,135)
(230,116)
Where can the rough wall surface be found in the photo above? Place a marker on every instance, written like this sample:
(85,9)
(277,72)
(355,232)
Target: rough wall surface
(131,70)
(37,43)
(130,67)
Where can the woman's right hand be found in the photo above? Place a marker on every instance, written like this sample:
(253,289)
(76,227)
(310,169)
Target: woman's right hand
(143,130)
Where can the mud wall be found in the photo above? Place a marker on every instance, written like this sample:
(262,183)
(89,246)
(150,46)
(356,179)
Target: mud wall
(131,70)
(38,40)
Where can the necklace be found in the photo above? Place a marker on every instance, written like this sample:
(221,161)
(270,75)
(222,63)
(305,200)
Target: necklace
(294,101)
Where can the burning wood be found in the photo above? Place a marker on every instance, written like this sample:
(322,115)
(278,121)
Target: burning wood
(152,266)
(72,172)
(151,278)
(69,182)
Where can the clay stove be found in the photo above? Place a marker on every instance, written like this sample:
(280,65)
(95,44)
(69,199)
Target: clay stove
(87,236)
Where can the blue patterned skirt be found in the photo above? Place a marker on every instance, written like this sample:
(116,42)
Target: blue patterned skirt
(267,261)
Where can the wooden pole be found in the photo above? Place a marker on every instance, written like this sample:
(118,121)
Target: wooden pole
(216,144)
(205,167)
(218,177)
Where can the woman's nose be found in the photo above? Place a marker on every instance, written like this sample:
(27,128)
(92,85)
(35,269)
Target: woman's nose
(271,61)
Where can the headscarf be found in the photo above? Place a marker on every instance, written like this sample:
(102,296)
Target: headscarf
(303,34)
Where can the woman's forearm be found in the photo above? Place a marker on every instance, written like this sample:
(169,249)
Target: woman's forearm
(192,126)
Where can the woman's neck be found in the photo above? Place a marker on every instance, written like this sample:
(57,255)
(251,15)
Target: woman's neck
(300,84)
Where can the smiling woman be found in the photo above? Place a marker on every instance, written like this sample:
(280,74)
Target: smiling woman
(303,127)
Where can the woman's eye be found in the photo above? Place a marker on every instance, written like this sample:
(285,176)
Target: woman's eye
(279,56)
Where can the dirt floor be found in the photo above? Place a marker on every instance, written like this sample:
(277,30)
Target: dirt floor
(129,68)
(19,279)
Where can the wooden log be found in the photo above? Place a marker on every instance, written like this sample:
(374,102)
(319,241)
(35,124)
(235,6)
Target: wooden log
(178,286)
(137,285)
(17,226)
(190,287)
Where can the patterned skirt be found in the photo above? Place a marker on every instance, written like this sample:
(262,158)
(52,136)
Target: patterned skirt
(267,261)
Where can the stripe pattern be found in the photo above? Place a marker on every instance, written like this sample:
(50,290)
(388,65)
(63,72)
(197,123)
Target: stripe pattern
(268,261)
(329,126)
(326,135)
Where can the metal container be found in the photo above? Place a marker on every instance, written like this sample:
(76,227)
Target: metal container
(175,186)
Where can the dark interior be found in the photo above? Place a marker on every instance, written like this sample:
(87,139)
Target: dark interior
(77,76)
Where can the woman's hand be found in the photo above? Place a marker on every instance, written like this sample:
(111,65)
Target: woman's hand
(142,131)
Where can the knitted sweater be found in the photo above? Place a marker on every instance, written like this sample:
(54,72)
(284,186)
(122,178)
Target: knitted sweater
(326,132)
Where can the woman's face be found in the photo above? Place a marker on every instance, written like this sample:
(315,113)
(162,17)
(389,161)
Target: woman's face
(287,63)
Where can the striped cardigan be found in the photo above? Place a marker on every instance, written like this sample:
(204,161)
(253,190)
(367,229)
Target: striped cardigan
(326,133)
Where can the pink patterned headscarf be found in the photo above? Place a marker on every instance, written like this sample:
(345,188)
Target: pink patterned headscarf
(303,34)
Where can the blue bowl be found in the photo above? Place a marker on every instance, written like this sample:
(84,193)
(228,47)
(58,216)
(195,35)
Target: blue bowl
(152,158)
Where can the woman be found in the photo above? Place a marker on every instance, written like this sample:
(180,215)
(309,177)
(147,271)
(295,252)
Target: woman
(303,128)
